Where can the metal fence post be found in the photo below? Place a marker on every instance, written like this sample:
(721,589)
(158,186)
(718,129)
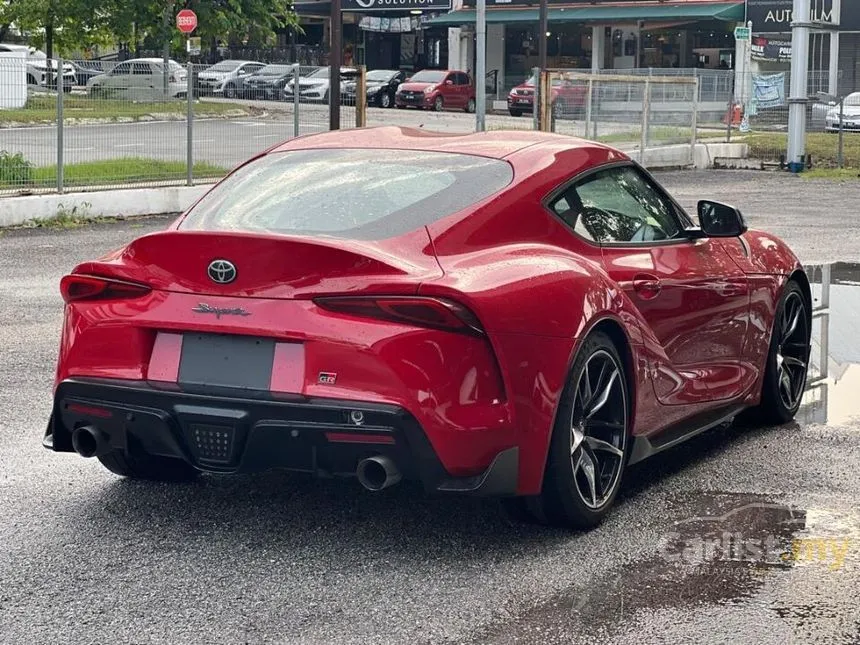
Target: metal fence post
(535,101)
(189,130)
(840,159)
(361,98)
(695,121)
(61,87)
(646,108)
(588,97)
(730,107)
(296,77)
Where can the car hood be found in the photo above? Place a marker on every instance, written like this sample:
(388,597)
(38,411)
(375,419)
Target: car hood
(416,87)
(264,80)
(852,111)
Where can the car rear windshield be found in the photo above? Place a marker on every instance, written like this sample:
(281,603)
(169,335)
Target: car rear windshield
(351,194)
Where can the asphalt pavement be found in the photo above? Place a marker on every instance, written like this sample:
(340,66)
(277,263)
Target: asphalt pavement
(744,535)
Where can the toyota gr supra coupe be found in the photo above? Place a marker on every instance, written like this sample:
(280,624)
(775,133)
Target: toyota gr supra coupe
(515,314)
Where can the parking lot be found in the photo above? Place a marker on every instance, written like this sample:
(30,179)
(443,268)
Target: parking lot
(86,557)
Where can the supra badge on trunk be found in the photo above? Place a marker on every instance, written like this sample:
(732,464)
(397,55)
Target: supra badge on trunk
(203,308)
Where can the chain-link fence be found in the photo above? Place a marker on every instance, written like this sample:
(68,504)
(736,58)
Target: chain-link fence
(760,118)
(635,113)
(139,123)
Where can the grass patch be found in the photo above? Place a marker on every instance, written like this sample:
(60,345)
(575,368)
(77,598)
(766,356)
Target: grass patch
(42,108)
(821,145)
(836,174)
(113,171)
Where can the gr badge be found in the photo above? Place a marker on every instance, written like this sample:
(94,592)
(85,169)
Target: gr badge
(327,378)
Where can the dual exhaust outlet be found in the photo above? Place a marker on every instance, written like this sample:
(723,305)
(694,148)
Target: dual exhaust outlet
(374,473)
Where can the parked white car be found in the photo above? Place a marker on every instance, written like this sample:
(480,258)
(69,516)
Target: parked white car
(38,66)
(315,86)
(221,78)
(141,79)
(850,114)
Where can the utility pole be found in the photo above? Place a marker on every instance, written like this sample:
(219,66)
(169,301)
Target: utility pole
(481,66)
(335,47)
(165,54)
(542,37)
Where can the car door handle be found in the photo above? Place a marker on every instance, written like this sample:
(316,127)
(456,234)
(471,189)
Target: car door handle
(646,285)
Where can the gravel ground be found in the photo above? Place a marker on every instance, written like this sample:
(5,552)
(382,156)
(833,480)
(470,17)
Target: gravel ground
(88,558)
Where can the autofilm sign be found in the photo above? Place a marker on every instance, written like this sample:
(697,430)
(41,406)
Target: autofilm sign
(770,50)
(774,16)
(395,5)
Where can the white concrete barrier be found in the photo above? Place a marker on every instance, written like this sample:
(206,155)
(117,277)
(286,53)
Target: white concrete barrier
(126,202)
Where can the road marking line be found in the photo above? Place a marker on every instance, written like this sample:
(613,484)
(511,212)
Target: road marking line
(267,136)
(129,145)
(79,149)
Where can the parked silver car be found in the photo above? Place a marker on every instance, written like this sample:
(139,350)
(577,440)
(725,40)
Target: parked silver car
(850,115)
(223,77)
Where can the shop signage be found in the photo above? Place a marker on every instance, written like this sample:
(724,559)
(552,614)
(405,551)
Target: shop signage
(774,16)
(395,5)
(742,33)
(770,50)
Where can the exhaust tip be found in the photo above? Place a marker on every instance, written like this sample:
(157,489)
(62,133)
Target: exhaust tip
(88,442)
(377,473)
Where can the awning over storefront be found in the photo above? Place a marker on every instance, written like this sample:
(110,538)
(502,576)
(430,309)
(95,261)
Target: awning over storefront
(629,12)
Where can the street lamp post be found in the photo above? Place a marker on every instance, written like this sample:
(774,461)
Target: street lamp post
(336,45)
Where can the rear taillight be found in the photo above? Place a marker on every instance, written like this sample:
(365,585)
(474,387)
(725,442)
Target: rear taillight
(436,313)
(76,288)
(172,78)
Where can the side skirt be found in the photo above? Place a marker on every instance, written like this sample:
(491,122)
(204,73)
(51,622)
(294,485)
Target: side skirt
(643,447)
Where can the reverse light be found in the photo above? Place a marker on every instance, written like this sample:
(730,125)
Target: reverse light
(436,313)
(77,288)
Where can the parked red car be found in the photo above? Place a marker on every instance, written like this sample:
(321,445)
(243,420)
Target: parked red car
(433,89)
(516,314)
(568,97)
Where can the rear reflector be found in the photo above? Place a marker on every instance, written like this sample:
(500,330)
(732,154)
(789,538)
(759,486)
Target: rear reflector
(89,411)
(437,313)
(349,437)
(76,288)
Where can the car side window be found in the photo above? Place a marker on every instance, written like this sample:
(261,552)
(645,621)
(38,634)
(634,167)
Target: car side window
(141,69)
(618,205)
(121,70)
(462,79)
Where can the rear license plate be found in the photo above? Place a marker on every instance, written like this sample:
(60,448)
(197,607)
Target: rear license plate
(523,101)
(226,361)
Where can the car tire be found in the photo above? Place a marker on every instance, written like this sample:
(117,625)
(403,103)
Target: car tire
(401,107)
(470,106)
(439,104)
(515,112)
(558,110)
(229,91)
(385,100)
(589,446)
(31,80)
(787,360)
(148,467)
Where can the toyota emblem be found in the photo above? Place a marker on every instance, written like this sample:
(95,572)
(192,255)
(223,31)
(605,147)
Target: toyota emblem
(222,271)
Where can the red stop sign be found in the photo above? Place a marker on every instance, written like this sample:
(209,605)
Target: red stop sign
(186,21)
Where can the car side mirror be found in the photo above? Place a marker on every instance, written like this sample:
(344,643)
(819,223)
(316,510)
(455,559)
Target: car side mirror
(449,82)
(720,220)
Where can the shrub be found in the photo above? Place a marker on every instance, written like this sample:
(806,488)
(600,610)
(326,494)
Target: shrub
(15,170)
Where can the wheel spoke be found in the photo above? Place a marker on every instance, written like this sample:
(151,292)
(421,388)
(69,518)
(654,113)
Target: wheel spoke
(785,387)
(603,446)
(585,387)
(793,362)
(586,466)
(792,324)
(603,395)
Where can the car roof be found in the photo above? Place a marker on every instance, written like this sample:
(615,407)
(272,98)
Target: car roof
(495,144)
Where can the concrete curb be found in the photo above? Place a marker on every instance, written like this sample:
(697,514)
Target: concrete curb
(125,202)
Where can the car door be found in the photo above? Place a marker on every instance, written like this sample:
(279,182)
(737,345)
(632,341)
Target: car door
(450,93)
(142,79)
(118,77)
(693,297)
(464,88)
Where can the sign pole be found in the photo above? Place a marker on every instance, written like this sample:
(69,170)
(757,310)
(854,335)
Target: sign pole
(481,66)
(542,29)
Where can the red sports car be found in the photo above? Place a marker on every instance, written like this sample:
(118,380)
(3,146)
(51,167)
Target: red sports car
(516,314)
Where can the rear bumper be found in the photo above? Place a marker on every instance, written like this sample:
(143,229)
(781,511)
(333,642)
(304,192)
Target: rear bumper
(236,431)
